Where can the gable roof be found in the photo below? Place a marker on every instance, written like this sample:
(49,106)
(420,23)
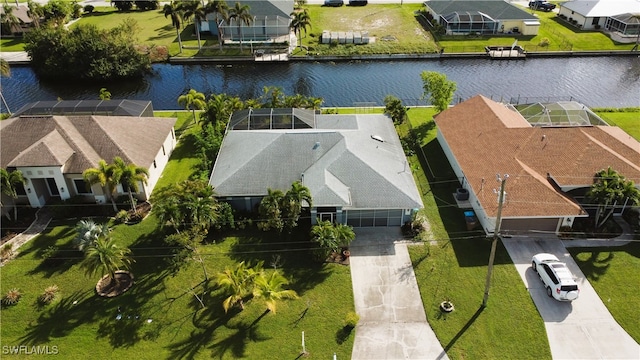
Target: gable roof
(496,9)
(537,158)
(341,165)
(80,142)
(593,8)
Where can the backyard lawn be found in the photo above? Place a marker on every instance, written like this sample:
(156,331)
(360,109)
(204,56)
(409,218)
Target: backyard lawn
(161,316)
(629,121)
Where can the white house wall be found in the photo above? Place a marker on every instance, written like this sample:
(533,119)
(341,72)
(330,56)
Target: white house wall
(161,161)
(43,172)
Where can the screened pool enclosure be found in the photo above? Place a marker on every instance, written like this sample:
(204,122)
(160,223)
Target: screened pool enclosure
(464,22)
(562,113)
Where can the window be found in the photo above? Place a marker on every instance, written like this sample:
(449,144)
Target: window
(163,152)
(82,187)
(154,164)
(595,21)
(20,189)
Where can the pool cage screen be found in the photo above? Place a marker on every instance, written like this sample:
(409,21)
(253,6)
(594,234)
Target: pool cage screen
(469,22)
(563,113)
(627,24)
(262,28)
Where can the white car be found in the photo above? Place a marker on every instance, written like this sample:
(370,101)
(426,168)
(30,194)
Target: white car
(555,275)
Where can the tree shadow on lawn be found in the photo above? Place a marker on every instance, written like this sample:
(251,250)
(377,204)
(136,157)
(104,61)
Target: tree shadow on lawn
(596,264)
(470,247)
(61,318)
(56,261)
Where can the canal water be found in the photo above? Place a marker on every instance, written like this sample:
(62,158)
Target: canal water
(594,81)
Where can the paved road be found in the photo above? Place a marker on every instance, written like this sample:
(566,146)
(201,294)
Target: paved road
(582,329)
(393,324)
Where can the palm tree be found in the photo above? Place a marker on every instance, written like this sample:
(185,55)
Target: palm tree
(344,234)
(292,203)
(198,12)
(220,8)
(270,289)
(9,20)
(174,10)
(270,211)
(88,232)
(240,13)
(106,257)
(610,189)
(301,20)
(238,283)
(204,212)
(8,182)
(105,175)
(193,100)
(130,176)
(36,12)
(105,94)
(324,233)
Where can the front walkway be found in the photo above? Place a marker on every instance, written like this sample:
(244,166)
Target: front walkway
(393,324)
(43,218)
(583,328)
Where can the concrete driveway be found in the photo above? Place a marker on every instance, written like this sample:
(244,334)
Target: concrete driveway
(393,324)
(582,329)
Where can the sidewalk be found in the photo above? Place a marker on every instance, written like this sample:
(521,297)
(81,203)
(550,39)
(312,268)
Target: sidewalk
(43,218)
(393,323)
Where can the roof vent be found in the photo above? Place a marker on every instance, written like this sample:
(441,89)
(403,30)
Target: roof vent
(316,145)
(377,138)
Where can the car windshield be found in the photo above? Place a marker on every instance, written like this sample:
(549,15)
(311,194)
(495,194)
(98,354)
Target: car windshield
(569,288)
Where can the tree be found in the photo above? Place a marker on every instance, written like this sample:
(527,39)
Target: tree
(301,20)
(292,202)
(196,10)
(204,212)
(238,283)
(106,257)
(9,21)
(193,100)
(270,211)
(174,10)
(88,232)
(270,289)
(610,189)
(57,11)
(438,89)
(105,94)
(130,176)
(330,237)
(240,13)
(105,175)
(394,108)
(220,9)
(35,12)
(344,234)
(9,182)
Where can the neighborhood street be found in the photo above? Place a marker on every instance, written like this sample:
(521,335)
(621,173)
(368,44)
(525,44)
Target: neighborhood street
(582,329)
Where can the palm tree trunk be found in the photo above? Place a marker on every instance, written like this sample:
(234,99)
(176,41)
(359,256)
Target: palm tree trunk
(240,36)
(195,121)
(133,204)
(198,33)
(15,209)
(179,40)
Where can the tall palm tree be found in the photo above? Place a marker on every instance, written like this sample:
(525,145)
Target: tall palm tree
(270,211)
(240,13)
(36,12)
(107,176)
(608,190)
(270,289)
(196,10)
(292,203)
(130,176)
(88,232)
(106,257)
(193,100)
(8,182)
(301,20)
(9,20)
(174,10)
(204,212)
(221,11)
(237,283)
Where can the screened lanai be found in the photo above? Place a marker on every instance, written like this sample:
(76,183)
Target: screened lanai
(628,24)
(469,22)
(562,113)
(258,119)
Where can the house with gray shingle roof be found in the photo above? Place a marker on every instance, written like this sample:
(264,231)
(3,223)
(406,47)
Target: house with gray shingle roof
(549,167)
(613,15)
(52,152)
(459,17)
(353,165)
(270,20)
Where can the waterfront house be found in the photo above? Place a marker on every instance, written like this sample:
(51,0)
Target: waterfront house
(618,15)
(353,165)
(550,165)
(270,22)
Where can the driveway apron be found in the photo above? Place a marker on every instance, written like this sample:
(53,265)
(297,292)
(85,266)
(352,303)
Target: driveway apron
(393,324)
(582,329)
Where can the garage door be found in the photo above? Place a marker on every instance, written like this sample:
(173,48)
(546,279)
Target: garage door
(538,224)
(369,218)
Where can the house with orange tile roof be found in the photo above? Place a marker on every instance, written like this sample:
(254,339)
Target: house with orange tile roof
(547,165)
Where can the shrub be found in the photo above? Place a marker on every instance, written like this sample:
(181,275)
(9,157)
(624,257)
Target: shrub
(12,297)
(6,252)
(89,9)
(49,294)
(351,319)
(544,42)
(122,216)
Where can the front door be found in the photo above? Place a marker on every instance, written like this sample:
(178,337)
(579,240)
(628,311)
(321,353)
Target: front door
(326,217)
(53,187)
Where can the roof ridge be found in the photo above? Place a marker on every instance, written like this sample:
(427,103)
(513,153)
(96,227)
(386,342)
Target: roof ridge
(121,151)
(59,120)
(611,151)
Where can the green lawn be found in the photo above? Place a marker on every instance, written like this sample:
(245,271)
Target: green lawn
(83,325)
(628,120)
(11,44)
(452,265)
(615,275)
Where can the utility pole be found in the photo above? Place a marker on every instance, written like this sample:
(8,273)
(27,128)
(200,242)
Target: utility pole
(496,232)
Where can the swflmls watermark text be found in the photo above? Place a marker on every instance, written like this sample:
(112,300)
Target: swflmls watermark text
(30,350)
